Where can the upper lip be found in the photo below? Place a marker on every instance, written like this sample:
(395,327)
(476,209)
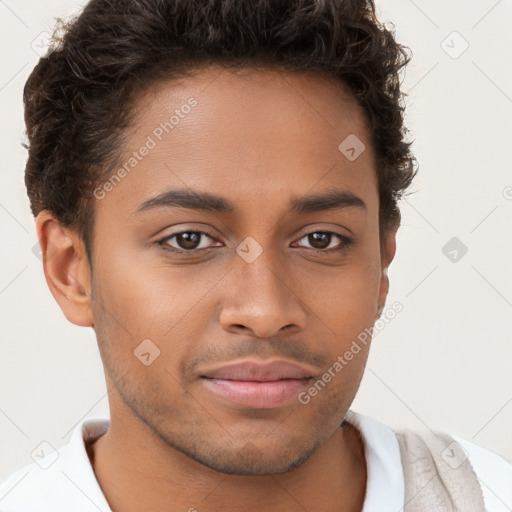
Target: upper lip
(258,371)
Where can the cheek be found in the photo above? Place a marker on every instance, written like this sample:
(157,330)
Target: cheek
(141,283)
(142,298)
(343,299)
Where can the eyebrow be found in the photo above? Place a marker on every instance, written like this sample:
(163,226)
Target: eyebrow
(205,201)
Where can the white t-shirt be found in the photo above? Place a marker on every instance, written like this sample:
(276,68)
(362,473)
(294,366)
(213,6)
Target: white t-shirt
(64,481)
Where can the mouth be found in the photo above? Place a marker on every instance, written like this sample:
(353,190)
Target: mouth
(257,385)
(259,394)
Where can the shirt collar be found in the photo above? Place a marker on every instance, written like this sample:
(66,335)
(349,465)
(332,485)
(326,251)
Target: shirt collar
(76,465)
(385,478)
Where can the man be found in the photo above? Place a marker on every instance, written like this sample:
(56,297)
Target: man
(215,185)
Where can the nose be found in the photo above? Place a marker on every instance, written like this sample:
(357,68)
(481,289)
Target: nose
(260,298)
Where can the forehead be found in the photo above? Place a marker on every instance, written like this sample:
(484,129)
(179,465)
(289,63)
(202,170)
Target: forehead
(253,135)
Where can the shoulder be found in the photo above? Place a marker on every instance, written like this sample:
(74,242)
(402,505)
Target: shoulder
(457,461)
(30,486)
(59,481)
(386,475)
(494,473)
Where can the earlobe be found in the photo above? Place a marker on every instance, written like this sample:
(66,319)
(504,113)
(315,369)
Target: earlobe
(66,268)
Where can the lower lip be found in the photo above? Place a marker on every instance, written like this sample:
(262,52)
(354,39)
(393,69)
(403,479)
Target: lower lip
(257,394)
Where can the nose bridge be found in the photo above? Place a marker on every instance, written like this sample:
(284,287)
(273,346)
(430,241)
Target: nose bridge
(260,276)
(260,296)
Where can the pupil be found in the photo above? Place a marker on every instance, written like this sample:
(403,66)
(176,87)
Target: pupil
(188,240)
(324,239)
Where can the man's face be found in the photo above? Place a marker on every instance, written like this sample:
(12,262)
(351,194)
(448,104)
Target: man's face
(265,283)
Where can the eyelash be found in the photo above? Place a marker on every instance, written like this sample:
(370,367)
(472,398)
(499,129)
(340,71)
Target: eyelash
(345,242)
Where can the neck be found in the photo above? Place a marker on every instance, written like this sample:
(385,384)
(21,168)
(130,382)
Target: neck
(147,475)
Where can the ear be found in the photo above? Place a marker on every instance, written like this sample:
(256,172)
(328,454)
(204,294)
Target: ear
(388,250)
(66,268)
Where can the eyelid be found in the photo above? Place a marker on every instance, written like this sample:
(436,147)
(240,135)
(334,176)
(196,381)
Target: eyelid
(184,228)
(329,232)
(309,230)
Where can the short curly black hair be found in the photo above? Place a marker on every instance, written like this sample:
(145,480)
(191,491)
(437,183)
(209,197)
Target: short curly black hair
(79,99)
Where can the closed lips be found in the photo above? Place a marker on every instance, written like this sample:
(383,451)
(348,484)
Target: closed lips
(258,372)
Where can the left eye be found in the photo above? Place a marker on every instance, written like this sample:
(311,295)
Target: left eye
(323,240)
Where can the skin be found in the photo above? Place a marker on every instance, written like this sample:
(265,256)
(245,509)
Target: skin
(259,138)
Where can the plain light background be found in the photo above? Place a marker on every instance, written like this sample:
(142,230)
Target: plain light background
(444,362)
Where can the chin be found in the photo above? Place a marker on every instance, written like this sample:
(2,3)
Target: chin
(250,460)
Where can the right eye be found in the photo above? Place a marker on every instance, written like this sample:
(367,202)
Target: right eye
(185,241)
